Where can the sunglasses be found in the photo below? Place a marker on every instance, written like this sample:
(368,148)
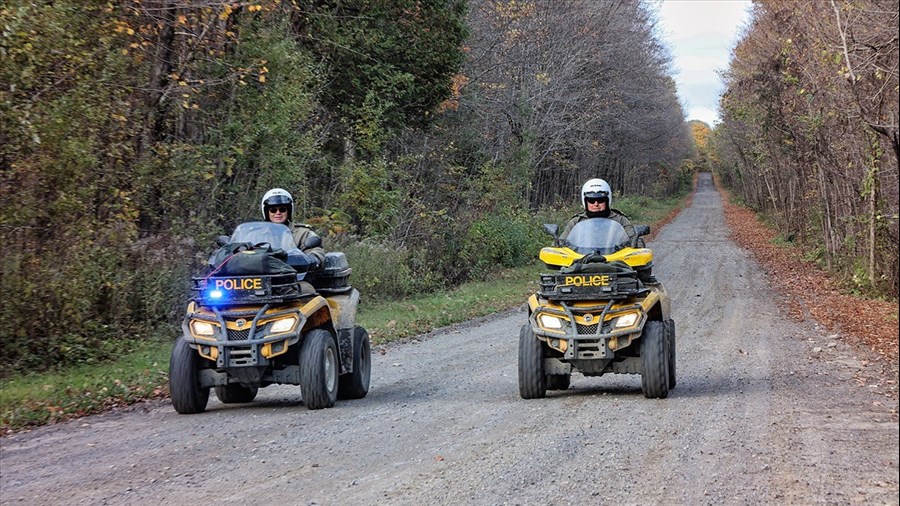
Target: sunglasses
(278,209)
(593,201)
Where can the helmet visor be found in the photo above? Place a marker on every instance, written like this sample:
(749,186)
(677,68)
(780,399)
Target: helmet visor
(275,200)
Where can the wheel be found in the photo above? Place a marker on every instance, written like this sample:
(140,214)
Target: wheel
(188,397)
(235,393)
(532,381)
(318,369)
(654,361)
(558,381)
(670,340)
(355,385)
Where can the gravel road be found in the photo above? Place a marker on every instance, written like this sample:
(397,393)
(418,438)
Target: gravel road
(767,410)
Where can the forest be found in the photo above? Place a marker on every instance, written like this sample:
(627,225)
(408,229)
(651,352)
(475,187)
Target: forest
(428,139)
(809,133)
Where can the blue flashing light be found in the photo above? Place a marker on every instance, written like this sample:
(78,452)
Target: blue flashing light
(215,294)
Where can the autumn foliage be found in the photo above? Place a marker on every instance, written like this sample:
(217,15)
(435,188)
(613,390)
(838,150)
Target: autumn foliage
(810,132)
(420,136)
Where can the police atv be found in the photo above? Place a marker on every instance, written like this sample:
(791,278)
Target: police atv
(259,317)
(599,311)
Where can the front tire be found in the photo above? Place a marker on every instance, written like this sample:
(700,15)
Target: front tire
(318,369)
(235,394)
(654,361)
(355,385)
(532,380)
(188,397)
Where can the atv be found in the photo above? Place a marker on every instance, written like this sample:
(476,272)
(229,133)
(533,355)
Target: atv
(599,311)
(260,317)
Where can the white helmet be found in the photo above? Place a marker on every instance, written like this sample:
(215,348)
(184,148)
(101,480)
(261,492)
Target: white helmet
(275,197)
(596,188)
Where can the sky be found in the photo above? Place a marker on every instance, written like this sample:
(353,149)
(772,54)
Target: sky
(701,35)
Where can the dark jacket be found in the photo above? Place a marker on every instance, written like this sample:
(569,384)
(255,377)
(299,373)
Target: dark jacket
(301,233)
(614,215)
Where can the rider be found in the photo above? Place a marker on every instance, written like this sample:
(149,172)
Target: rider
(596,197)
(278,207)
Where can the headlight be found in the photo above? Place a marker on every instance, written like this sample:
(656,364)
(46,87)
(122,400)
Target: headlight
(284,324)
(550,322)
(201,328)
(627,320)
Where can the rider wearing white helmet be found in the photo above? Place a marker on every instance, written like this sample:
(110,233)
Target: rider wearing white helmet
(596,197)
(278,207)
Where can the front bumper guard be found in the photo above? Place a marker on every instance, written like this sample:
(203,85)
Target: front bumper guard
(588,345)
(241,348)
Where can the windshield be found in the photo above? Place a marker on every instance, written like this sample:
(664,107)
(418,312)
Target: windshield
(275,234)
(597,235)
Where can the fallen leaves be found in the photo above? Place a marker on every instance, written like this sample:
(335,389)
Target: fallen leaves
(810,291)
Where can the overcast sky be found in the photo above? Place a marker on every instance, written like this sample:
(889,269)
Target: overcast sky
(701,35)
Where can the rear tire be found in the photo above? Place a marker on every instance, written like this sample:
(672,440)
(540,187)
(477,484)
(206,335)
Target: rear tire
(532,380)
(558,381)
(235,393)
(654,361)
(188,397)
(318,369)
(355,385)
(670,338)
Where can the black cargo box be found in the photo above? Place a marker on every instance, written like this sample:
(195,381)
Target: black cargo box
(335,277)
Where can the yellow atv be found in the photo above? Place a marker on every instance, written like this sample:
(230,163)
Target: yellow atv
(600,311)
(258,318)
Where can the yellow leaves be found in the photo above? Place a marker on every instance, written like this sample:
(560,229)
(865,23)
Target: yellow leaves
(254,8)
(123,27)
(514,9)
(700,132)
(543,78)
(226,11)
(457,83)
(182,19)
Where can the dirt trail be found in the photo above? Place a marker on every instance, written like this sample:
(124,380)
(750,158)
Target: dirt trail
(767,410)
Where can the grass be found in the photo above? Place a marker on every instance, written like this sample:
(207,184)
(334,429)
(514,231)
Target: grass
(394,320)
(141,373)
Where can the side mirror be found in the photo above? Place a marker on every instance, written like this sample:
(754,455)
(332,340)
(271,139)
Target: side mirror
(313,241)
(222,240)
(640,230)
(552,229)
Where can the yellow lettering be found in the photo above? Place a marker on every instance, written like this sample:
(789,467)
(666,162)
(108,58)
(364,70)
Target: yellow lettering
(595,280)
